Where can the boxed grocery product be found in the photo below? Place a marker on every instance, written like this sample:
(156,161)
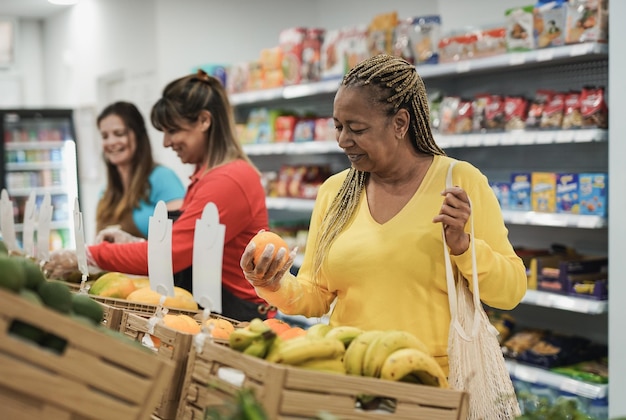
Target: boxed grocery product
(381,32)
(284,127)
(543,192)
(502,190)
(581,276)
(215,373)
(354,46)
(332,56)
(490,41)
(324,129)
(587,21)
(519,28)
(549,18)
(91,373)
(416,39)
(567,200)
(237,77)
(311,55)
(520,191)
(593,192)
(291,41)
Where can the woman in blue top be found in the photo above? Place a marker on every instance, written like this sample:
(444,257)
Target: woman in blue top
(135,182)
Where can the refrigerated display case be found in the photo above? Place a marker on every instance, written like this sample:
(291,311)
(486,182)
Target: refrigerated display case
(39,154)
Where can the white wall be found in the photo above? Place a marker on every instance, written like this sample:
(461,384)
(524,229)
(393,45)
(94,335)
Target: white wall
(617,204)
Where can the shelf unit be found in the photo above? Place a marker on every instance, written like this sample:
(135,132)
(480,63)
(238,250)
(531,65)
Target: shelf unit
(496,154)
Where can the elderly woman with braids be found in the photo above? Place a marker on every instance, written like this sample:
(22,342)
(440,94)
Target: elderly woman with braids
(197,122)
(374,245)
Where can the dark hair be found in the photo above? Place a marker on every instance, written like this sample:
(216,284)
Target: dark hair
(395,84)
(115,201)
(182,102)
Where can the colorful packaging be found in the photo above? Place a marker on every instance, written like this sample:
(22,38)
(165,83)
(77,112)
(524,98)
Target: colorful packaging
(291,41)
(587,21)
(424,37)
(549,23)
(593,190)
(520,191)
(311,70)
(519,28)
(567,200)
(543,193)
(354,46)
(502,190)
(332,57)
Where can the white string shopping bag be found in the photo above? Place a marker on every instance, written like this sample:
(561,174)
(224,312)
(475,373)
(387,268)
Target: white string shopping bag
(476,362)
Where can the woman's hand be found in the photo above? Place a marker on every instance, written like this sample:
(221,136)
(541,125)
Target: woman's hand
(116,235)
(268,271)
(454,214)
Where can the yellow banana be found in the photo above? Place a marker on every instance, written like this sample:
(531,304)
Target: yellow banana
(258,348)
(318,330)
(413,365)
(344,333)
(241,338)
(384,345)
(257,325)
(300,349)
(272,351)
(334,365)
(353,359)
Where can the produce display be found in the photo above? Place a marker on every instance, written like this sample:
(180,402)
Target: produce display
(391,355)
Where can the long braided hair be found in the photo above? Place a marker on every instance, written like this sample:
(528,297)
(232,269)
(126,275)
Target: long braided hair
(394,84)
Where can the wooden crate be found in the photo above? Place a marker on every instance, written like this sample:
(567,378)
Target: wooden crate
(96,375)
(115,308)
(292,393)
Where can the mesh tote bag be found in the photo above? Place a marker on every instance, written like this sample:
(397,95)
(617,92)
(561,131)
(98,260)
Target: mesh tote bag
(476,362)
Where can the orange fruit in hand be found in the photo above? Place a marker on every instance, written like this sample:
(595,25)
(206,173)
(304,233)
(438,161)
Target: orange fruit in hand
(262,239)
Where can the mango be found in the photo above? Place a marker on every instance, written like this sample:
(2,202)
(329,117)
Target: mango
(113,285)
(182,299)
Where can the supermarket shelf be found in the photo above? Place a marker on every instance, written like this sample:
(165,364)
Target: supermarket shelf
(25,192)
(542,376)
(286,92)
(510,138)
(511,60)
(309,147)
(33,166)
(502,61)
(568,303)
(522,137)
(32,145)
(554,219)
(285,203)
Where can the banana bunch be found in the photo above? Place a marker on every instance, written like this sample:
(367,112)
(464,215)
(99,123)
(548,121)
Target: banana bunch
(312,352)
(256,339)
(394,355)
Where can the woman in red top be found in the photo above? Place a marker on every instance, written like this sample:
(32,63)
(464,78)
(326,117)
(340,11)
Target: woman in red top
(197,122)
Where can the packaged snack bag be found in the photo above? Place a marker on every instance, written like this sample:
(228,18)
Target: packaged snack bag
(593,107)
(311,55)
(291,41)
(549,17)
(587,21)
(519,28)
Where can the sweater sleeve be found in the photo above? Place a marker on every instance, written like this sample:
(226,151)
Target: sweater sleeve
(301,294)
(501,272)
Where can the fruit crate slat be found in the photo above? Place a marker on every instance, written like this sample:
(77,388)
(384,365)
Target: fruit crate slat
(174,347)
(94,371)
(292,393)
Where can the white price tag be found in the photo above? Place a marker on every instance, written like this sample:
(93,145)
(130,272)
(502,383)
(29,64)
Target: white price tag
(545,54)
(7,225)
(580,49)
(544,137)
(160,270)
(588,222)
(28,232)
(463,66)
(515,59)
(208,251)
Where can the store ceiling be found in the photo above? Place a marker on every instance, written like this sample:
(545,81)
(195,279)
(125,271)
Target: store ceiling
(32,9)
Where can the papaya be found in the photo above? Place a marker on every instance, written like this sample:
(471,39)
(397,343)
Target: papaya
(141,282)
(113,285)
(13,276)
(182,299)
(85,306)
(181,322)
